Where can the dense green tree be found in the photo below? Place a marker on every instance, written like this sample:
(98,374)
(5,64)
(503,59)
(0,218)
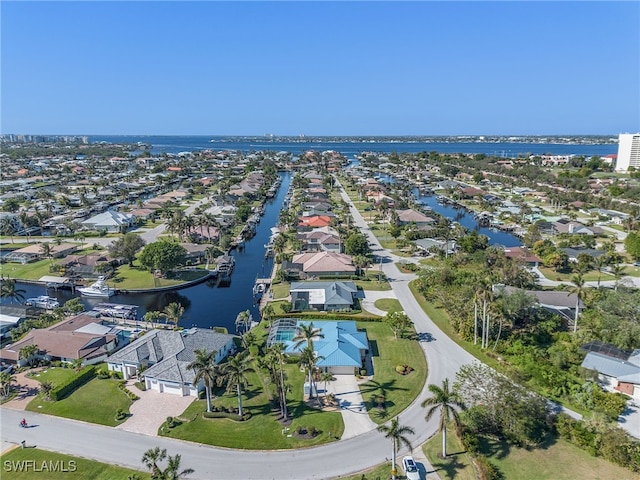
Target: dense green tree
(632,245)
(162,255)
(357,244)
(399,322)
(127,247)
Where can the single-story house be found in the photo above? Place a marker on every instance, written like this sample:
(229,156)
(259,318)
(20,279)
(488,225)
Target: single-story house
(573,253)
(165,354)
(324,296)
(524,255)
(111,221)
(82,337)
(7,323)
(618,370)
(324,264)
(431,244)
(341,349)
(412,216)
(561,303)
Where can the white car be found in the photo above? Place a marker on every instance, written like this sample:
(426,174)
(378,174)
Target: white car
(410,468)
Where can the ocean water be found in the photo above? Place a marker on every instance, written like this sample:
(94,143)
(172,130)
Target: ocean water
(176,144)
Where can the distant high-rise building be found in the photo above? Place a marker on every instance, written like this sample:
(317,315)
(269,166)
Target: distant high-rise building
(628,152)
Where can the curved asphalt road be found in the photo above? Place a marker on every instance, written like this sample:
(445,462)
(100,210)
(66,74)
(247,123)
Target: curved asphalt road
(115,446)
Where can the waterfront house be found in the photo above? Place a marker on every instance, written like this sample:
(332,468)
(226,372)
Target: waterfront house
(340,351)
(164,356)
(83,337)
(410,215)
(323,296)
(326,264)
(314,221)
(320,239)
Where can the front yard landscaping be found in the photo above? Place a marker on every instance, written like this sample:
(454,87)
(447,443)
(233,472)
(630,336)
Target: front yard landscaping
(262,431)
(97,401)
(398,390)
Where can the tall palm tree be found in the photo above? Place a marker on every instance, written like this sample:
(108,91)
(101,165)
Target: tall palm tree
(8,290)
(617,271)
(7,227)
(445,401)
(205,369)
(306,333)
(234,374)
(174,312)
(398,435)
(275,358)
(46,250)
(579,291)
(308,362)
(599,263)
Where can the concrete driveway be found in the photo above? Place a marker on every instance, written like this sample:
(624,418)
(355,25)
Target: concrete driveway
(370,297)
(153,408)
(28,388)
(354,414)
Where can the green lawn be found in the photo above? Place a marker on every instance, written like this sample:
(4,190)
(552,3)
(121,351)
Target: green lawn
(28,271)
(262,431)
(76,467)
(387,352)
(137,278)
(590,276)
(280,290)
(557,460)
(373,284)
(388,305)
(55,375)
(95,402)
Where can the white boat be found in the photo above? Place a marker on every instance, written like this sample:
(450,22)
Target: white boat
(43,301)
(98,289)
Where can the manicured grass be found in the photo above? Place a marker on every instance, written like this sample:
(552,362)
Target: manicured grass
(379,472)
(374,285)
(590,276)
(457,465)
(28,271)
(388,305)
(55,375)
(557,460)
(280,290)
(94,402)
(262,431)
(387,352)
(75,467)
(137,278)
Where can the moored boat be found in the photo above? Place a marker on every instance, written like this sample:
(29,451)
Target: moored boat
(97,289)
(43,301)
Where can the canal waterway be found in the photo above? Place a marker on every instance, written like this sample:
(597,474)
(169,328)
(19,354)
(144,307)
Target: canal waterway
(206,304)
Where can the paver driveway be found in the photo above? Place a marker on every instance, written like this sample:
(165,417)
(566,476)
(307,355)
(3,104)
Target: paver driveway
(153,408)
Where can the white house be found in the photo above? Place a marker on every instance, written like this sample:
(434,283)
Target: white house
(111,221)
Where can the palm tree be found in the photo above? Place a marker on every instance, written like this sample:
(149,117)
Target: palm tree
(275,357)
(28,352)
(174,312)
(6,379)
(578,290)
(398,435)
(234,374)
(205,369)
(306,333)
(617,271)
(308,360)
(172,472)
(46,387)
(600,262)
(7,227)
(8,290)
(153,456)
(45,250)
(326,377)
(446,401)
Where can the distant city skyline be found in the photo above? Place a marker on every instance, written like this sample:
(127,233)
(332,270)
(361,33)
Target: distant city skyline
(320,68)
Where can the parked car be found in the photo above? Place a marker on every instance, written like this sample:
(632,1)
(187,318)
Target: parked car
(410,468)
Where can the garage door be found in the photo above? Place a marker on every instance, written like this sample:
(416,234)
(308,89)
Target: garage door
(172,388)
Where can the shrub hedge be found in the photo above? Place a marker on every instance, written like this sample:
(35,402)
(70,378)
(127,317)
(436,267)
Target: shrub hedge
(79,379)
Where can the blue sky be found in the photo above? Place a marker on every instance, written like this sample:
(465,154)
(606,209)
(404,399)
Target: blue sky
(320,68)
